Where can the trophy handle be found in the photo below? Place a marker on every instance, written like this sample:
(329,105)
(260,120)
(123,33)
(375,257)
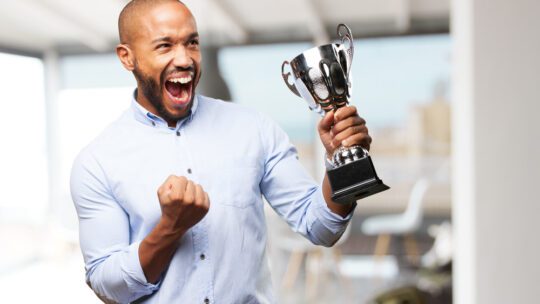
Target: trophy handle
(291,87)
(349,52)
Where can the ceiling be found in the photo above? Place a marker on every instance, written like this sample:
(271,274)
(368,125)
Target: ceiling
(77,26)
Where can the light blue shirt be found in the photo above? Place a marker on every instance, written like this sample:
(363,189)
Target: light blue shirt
(238,156)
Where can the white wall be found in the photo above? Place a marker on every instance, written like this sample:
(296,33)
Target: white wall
(496,127)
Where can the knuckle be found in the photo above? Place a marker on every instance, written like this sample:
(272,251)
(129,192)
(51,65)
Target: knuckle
(204,204)
(180,196)
(188,198)
(173,195)
(170,195)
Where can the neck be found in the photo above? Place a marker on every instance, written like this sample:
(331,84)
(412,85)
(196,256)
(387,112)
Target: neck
(145,103)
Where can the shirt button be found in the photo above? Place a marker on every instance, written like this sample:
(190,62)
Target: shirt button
(177,133)
(189,170)
(206,301)
(202,256)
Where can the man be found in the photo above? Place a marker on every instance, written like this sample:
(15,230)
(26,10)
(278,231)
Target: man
(169,197)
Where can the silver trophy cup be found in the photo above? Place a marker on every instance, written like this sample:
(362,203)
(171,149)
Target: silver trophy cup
(321,76)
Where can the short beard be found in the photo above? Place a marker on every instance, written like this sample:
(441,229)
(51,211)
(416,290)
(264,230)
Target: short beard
(154,93)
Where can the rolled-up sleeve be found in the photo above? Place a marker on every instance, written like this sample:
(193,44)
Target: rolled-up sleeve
(293,193)
(112,264)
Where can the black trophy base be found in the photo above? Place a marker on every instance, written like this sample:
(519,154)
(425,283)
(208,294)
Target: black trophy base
(354,181)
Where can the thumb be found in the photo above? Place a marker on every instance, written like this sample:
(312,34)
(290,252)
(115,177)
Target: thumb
(326,123)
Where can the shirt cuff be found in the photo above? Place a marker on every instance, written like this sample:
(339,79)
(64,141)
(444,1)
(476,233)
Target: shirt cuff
(334,222)
(134,274)
(328,163)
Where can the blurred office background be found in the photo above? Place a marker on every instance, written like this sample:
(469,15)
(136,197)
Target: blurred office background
(449,89)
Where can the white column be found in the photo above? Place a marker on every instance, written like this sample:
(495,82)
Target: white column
(52,87)
(496,147)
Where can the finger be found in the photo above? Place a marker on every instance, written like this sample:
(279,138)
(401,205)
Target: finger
(189,195)
(207,199)
(178,187)
(348,122)
(199,195)
(326,123)
(167,184)
(165,188)
(344,112)
(350,131)
(361,139)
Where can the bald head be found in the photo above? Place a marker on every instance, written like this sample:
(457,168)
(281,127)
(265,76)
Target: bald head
(129,18)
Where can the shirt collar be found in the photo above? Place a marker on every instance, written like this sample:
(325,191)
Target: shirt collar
(146,117)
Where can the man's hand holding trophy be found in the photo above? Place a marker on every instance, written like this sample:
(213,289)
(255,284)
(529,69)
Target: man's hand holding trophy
(322,77)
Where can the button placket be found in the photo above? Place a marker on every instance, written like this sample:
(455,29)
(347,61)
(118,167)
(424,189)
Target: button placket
(200,230)
(200,245)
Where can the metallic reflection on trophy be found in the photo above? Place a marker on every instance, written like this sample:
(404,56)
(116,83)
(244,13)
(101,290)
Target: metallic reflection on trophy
(322,77)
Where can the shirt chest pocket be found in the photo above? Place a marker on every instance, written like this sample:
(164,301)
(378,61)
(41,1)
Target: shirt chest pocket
(232,182)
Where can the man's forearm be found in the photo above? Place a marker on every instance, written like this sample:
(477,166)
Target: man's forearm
(157,249)
(341,209)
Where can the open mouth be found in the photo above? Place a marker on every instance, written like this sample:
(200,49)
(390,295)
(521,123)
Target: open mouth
(179,89)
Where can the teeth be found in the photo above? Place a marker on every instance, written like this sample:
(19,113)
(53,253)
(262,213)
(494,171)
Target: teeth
(182,80)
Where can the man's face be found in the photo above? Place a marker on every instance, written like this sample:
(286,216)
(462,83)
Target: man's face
(167,60)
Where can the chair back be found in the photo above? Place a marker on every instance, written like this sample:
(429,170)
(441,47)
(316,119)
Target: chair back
(414,212)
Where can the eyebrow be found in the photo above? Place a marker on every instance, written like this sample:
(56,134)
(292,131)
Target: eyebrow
(162,39)
(193,35)
(169,39)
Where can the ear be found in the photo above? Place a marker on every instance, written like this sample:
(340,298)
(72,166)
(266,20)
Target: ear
(125,54)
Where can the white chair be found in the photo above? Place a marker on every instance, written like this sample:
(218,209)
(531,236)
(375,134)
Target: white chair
(404,224)
(317,261)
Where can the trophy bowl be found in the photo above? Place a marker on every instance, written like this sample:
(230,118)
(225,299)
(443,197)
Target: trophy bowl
(322,77)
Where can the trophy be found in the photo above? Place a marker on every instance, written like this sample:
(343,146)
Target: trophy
(322,78)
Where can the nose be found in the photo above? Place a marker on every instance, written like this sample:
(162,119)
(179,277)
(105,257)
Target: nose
(182,59)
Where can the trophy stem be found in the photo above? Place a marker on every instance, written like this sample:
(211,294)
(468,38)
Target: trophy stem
(343,156)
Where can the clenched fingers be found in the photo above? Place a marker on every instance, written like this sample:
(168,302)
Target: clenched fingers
(344,112)
(361,139)
(189,196)
(200,196)
(347,123)
(347,135)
